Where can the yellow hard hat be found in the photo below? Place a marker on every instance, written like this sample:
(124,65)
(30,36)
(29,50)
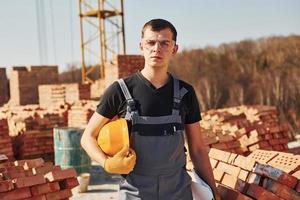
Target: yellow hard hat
(113,136)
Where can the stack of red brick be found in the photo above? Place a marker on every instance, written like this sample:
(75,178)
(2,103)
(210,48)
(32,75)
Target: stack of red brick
(5,140)
(80,113)
(245,128)
(37,139)
(261,175)
(35,180)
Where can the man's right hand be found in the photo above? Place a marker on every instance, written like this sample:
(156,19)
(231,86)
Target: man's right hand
(122,162)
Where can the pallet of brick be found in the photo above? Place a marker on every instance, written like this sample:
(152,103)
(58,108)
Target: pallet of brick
(33,117)
(261,175)
(36,179)
(24,82)
(5,140)
(245,128)
(80,113)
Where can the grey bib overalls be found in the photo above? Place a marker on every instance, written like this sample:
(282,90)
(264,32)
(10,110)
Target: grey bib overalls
(159,173)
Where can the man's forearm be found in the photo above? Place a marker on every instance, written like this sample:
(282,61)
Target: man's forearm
(91,147)
(203,168)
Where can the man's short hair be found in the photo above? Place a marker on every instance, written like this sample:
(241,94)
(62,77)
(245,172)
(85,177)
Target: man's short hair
(158,25)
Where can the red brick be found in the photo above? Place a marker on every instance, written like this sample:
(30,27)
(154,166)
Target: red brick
(286,162)
(45,169)
(230,194)
(30,163)
(274,141)
(20,193)
(15,169)
(6,164)
(281,190)
(229,169)
(297,174)
(233,144)
(276,174)
(244,162)
(14,174)
(229,180)
(40,197)
(62,194)
(60,174)
(260,193)
(44,188)
(68,183)
(243,175)
(6,185)
(28,173)
(222,146)
(29,181)
(218,174)
(263,156)
(219,154)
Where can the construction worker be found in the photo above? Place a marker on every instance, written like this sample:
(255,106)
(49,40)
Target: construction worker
(159,107)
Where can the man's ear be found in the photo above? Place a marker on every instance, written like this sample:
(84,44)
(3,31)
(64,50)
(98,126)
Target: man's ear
(175,49)
(141,46)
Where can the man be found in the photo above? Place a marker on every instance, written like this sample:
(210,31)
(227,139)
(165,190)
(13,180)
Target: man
(158,107)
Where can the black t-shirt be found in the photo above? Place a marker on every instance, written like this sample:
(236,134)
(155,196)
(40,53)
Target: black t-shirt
(149,100)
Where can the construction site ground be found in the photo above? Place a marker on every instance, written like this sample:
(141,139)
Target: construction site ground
(102,186)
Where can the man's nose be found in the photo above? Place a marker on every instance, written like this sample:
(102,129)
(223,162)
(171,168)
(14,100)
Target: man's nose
(157,46)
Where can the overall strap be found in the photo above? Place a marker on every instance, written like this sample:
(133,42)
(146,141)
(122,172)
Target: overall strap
(177,96)
(130,102)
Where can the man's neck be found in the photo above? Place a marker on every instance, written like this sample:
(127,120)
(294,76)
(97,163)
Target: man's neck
(157,76)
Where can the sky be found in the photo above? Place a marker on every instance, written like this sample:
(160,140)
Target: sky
(199,23)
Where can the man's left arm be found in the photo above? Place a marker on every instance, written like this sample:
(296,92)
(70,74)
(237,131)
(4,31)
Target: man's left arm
(199,155)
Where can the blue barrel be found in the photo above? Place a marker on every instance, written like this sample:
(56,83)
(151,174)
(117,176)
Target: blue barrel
(68,151)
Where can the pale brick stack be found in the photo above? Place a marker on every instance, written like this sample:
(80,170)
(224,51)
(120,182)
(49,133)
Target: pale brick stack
(262,175)
(35,180)
(4,96)
(24,82)
(58,94)
(80,113)
(77,91)
(51,95)
(5,140)
(245,128)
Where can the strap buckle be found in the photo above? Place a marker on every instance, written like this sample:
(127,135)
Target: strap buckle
(176,103)
(131,105)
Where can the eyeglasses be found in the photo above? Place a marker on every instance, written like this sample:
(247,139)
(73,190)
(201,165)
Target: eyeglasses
(164,44)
